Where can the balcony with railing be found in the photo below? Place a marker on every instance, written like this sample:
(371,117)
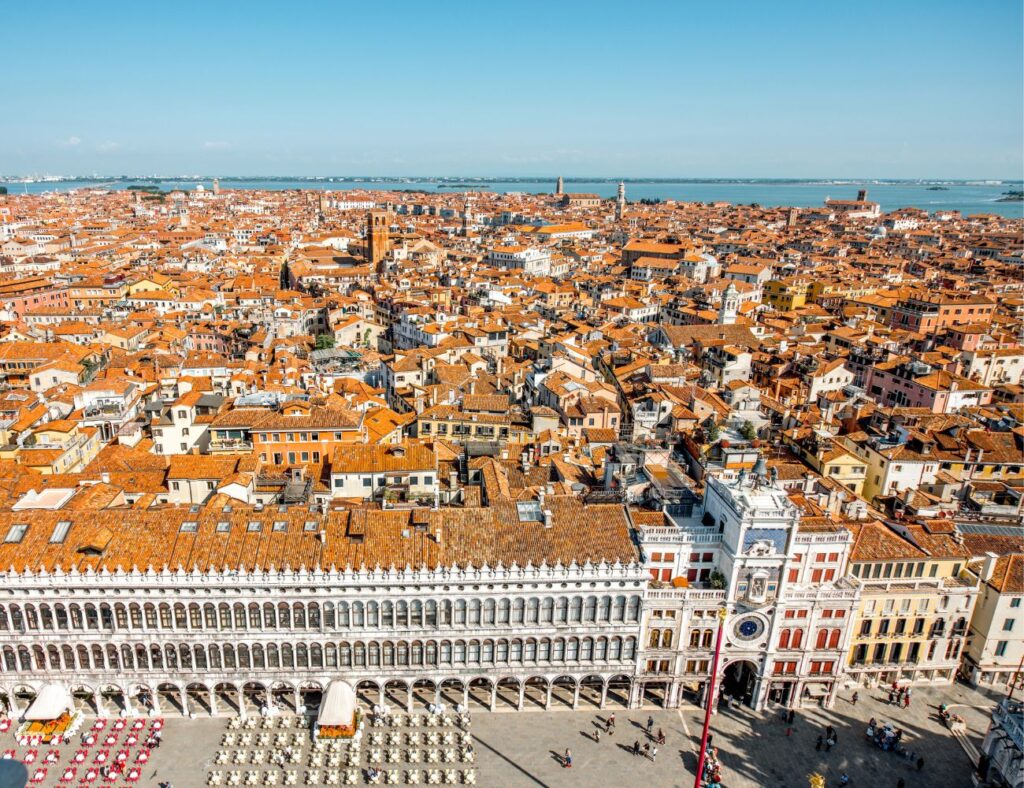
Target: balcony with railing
(1009,715)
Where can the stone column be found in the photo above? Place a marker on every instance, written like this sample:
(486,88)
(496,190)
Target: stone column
(634,695)
(213,703)
(465,696)
(154,697)
(409,700)
(494,696)
(604,695)
(547,700)
(297,700)
(522,695)
(576,696)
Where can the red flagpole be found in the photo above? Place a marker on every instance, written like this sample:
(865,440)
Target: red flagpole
(710,700)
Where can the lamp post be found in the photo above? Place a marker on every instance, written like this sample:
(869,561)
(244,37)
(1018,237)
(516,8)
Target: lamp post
(710,700)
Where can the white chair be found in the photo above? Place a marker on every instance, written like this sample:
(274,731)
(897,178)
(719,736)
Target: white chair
(351,776)
(312,778)
(291,778)
(469,776)
(271,778)
(391,777)
(451,776)
(413,756)
(252,777)
(413,777)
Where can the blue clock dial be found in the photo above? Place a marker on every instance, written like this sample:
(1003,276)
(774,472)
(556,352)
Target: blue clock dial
(748,629)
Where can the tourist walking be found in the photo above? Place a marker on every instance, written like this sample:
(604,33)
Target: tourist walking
(597,736)
(636,748)
(920,764)
(650,724)
(853,701)
(567,762)
(611,720)
(654,753)
(660,738)
(892,697)
(817,744)
(790,716)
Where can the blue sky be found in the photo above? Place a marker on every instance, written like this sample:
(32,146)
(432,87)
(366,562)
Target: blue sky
(790,89)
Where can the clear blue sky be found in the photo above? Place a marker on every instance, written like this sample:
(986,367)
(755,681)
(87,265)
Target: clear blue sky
(708,89)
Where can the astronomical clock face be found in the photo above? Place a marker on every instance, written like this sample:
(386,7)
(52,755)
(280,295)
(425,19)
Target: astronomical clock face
(748,628)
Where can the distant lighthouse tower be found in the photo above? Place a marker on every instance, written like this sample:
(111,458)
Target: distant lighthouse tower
(559,186)
(620,202)
(730,306)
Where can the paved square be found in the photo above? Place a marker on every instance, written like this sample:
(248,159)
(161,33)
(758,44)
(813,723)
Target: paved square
(526,748)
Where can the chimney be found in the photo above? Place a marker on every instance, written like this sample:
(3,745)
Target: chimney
(548,518)
(988,566)
(808,482)
(908,495)
(540,498)
(862,195)
(105,477)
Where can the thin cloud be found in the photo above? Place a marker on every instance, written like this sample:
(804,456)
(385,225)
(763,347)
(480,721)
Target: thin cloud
(108,146)
(216,145)
(70,142)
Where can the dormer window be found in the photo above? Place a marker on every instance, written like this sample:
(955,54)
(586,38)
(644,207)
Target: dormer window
(189,527)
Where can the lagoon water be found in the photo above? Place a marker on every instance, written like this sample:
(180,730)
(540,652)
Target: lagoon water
(965,196)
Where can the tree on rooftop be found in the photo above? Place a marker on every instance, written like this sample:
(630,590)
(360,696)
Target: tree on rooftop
(324,341)
(713,433)
(748,431)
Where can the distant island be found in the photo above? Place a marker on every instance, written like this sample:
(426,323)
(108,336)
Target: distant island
(1012,196)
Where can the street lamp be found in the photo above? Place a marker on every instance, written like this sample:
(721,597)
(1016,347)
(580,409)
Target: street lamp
(710,700)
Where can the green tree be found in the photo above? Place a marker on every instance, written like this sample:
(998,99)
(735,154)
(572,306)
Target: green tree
(716,579)
(748,431)
(713,433)
(324,341)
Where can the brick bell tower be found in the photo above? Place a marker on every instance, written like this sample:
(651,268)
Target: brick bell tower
(377,236)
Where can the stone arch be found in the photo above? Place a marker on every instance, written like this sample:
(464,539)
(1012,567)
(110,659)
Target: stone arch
(368,693)
(226,693)
(591,691)
(563,691)
(396,694)
(452,692)
(423,694)
(535,692)
(507,692)
(479,693)
(618,691)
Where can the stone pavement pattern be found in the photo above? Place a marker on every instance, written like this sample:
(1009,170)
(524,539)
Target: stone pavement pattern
(525,749)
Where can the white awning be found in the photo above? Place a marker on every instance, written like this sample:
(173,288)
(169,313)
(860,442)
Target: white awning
(338,706)
(52,701)
(816,690)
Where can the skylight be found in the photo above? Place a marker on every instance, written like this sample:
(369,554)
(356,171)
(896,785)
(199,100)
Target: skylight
(60,532)
(17,533)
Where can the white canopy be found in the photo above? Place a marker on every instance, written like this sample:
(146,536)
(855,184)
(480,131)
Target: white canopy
(52,701)
(338,706)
